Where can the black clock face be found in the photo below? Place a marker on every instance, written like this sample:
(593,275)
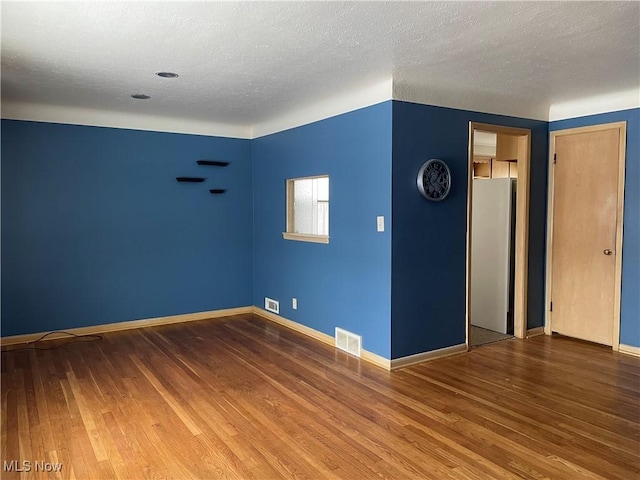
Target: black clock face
(434,180)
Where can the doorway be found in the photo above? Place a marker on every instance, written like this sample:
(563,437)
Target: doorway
(584,244)
(496,286)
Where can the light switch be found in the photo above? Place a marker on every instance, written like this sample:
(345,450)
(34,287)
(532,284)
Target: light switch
(381,223)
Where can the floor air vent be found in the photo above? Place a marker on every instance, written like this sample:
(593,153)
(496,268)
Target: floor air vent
(271,305)
(349,342)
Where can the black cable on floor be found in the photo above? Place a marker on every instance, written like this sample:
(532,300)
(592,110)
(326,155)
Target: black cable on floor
(33,345)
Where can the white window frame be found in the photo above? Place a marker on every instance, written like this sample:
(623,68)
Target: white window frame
(290,234)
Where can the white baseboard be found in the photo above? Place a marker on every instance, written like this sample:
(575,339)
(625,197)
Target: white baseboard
(298,327)
(367,356)
(376,359)
(426,356)
(129,325)
(629,350)
(534,332)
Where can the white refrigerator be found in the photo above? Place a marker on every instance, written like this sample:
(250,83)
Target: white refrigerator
(492,233)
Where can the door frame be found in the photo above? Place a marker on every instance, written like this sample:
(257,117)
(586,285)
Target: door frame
(622,143)
(522,224)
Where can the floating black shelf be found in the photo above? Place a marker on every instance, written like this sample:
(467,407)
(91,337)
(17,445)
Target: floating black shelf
(217,190)
(190,179)
(212,163)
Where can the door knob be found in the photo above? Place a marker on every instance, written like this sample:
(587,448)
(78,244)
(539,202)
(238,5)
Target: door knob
(606,251)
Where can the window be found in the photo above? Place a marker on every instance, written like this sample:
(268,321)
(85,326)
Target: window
(308,209)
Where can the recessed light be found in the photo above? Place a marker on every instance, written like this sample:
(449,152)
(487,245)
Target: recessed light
(140,96)
(167,74)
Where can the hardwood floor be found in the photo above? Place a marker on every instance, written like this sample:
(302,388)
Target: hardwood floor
(243,398)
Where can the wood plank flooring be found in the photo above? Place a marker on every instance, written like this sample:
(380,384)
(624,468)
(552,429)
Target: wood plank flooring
(242,398)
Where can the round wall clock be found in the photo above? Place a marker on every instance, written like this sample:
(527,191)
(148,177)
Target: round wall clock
(434,180)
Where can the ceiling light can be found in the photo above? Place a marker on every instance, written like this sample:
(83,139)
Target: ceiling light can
(167,74)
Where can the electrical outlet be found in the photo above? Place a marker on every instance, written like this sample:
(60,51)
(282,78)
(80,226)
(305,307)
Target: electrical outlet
(380,221)
(294,303)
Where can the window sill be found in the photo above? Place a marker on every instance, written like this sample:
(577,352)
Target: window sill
(301,237)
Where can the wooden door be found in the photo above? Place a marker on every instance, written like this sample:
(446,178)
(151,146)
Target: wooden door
(585,206)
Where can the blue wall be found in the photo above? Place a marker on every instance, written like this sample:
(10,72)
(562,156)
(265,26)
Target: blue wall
(429,239)
(630,299)
(95,228)
(347,282)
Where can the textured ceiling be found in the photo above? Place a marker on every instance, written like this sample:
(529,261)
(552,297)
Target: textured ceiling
(247,62)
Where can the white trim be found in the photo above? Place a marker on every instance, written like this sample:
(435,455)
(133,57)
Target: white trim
(375,359)
(534,332)
(629,350)
(112,119)
(298,327)
(370,357)
(426,356)
(189,317)
(332,106)
(127,325)
(593,105)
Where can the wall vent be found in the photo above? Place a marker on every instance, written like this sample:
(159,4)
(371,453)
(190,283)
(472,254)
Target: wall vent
(271,305)
(349,342)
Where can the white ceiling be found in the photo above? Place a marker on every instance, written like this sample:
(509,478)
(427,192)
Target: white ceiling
(246,63)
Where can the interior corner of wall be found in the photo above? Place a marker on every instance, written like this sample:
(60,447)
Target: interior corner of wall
(320,109)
